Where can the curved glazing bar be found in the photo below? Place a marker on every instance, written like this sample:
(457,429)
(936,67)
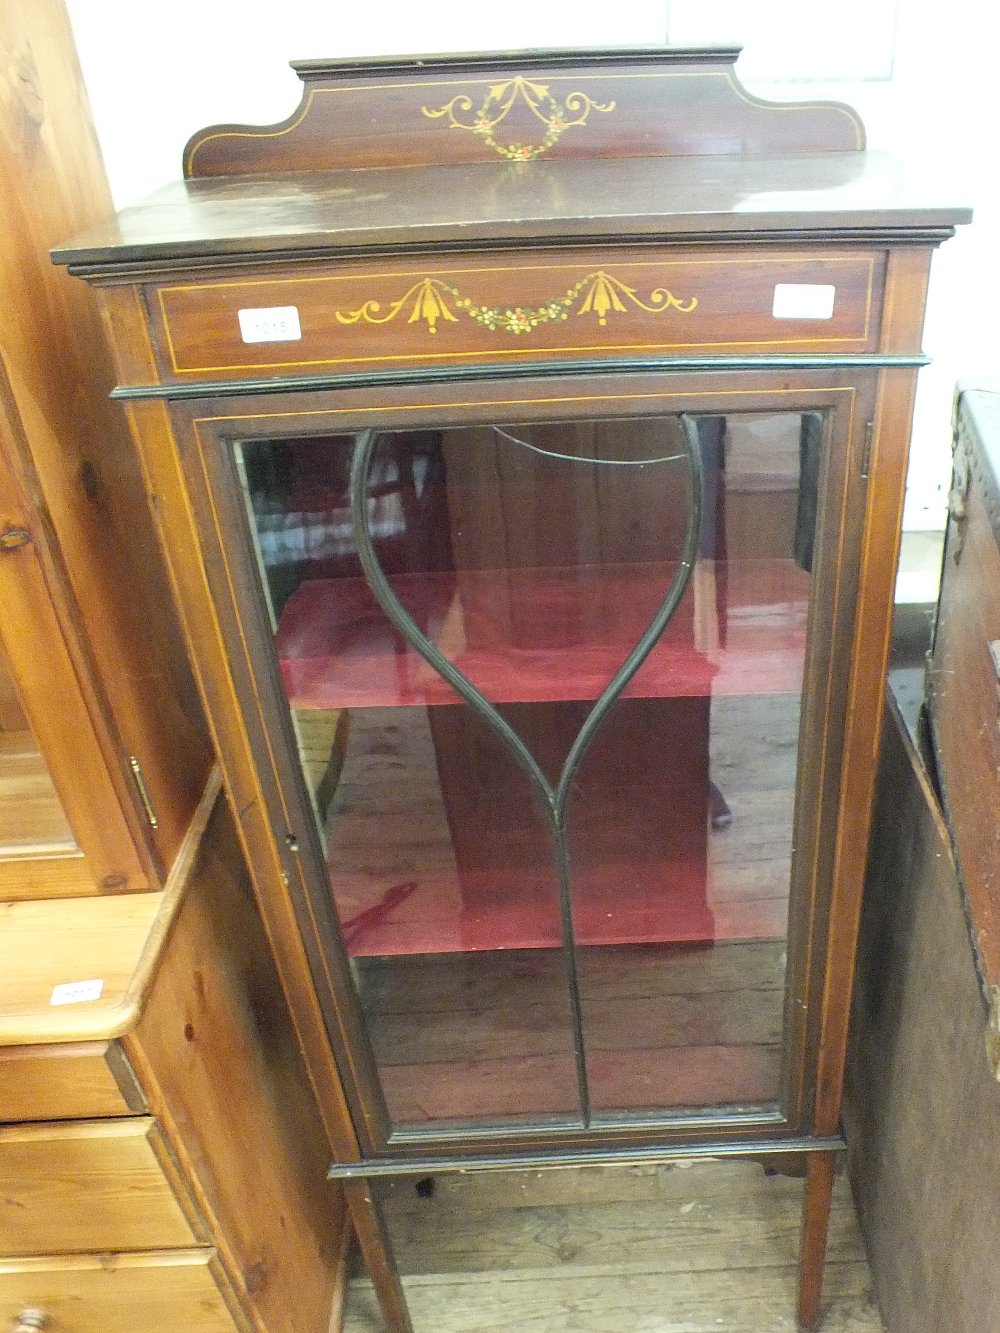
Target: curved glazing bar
(554,797)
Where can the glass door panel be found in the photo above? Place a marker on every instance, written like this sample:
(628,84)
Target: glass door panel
(448,897)
(696,788)
(544,681)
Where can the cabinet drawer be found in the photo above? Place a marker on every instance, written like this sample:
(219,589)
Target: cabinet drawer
(143,1293)
(91,1185)
(66,1082)
(596,304)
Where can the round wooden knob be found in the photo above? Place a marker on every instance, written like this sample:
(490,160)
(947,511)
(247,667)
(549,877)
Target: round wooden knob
(12,539)
(30,1321)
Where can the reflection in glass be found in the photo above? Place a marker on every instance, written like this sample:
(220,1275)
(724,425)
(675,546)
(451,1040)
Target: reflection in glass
(526,945)
(32,820)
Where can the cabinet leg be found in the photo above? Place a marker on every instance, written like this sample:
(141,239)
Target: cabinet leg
(376,1250)
(815,1219)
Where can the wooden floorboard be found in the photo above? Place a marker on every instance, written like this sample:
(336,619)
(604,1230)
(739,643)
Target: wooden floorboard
(489,1034)
(687,1248)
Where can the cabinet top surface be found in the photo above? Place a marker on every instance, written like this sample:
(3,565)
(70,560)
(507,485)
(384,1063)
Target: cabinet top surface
(523,148)
(461,204)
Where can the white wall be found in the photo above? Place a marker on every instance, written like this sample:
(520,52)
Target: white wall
(921,74)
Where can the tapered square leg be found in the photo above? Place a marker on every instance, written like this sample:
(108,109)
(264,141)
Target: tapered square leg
(815,1221)
(376,1250)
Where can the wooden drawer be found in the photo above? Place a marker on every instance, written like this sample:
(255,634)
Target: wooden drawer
(90,1185)
(66,1082)
(595,304)
(101,1293)
(964,674)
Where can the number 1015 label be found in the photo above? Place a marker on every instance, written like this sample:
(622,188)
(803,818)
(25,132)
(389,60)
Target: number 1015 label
(270,324)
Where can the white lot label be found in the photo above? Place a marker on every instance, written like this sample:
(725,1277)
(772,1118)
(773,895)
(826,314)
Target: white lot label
(270,324)
(803,300)
(76,992)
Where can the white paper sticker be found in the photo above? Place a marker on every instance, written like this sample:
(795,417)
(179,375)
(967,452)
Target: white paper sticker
(76,992)
(803,300)
(270,324)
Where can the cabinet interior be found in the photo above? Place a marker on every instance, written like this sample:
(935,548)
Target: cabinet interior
(534,558)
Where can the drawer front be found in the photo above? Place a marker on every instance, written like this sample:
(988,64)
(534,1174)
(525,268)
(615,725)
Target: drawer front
(66,1082)
(595,304)
(90,1185)
(141,1293)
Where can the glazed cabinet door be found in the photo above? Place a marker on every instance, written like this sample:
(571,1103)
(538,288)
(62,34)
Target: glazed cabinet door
(67,824)
(551,683)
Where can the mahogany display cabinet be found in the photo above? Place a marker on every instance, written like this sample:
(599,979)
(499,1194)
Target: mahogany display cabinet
(527,438)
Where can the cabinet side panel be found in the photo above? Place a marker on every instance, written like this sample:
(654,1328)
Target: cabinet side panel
(151,424)
(216,1051)
(878,557)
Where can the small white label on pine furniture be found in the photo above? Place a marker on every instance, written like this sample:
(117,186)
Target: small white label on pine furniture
(270,324)
(76,992)
(803,300)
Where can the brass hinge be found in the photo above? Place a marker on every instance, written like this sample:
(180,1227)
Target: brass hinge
(140,783)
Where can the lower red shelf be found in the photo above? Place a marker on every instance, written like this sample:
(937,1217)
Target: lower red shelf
(647,904)
(646,865)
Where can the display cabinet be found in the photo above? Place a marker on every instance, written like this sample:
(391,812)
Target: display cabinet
(527,436)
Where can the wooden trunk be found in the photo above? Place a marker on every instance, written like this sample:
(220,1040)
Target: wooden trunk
(964,674)
(922,1108)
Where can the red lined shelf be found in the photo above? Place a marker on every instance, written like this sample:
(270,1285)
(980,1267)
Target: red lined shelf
(453,860)
(536,635)
(654,903)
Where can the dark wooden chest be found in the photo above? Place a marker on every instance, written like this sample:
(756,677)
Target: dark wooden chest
(964,672)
